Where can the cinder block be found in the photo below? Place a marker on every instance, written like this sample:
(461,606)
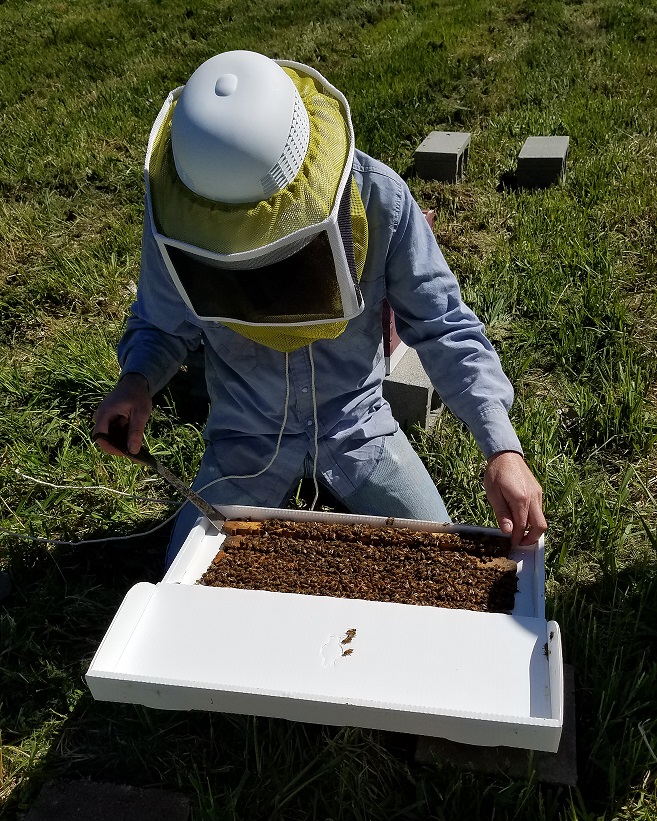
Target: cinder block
(410,393)
(443,155)
(542,161)
(100,801)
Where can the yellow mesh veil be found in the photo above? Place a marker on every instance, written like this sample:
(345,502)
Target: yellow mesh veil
(224,228)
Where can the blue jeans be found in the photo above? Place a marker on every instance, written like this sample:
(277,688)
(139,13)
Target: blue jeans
(398,486)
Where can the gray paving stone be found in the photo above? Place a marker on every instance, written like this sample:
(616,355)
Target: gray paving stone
(93,801)
(550,768)
(443,155)
(410,393)
(542,161)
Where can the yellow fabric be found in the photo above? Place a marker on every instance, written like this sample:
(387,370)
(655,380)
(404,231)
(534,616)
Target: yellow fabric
(229,229)
(223,228)
(288,339)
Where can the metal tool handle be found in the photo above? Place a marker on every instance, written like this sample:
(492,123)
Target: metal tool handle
(191,495)
(117,437)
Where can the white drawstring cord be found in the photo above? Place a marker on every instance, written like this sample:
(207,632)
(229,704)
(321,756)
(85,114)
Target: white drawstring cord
(316,437)
(96,487)
(46,540)
(278,443)
(41,539)
(209,484)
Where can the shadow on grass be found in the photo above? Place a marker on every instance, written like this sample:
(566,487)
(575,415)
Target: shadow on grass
(508,182)
(61,605)
(609,636)
(255,768)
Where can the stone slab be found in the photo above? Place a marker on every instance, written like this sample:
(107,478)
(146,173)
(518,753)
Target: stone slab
(99,801)
(395,357)
(410,393)
(542,161)
(545,148)
(443,155)
(551,768)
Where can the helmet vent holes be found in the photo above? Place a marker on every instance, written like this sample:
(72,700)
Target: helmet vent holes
(294,151)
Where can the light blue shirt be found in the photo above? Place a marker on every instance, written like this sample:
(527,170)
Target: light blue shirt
(246,381)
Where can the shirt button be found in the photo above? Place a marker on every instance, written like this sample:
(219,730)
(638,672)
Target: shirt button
(304,390)
(309,422)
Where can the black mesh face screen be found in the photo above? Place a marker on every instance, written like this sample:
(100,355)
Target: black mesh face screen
(345,228)
(301,288)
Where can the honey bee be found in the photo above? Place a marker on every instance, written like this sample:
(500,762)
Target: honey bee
(349,636)
(348,652)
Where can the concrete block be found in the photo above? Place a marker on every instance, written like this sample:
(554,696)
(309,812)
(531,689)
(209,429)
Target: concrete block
(443,155)
(410,393)
(542,161)
(550,768)
(99,801)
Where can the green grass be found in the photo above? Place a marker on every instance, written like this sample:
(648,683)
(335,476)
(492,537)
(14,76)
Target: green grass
(564,280)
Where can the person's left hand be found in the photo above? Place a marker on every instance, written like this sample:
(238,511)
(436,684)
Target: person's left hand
(516,497)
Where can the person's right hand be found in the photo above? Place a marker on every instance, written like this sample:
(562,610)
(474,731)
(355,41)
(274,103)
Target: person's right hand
(128,405)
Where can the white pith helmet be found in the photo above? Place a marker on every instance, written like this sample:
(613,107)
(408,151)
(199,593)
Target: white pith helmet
(239,130)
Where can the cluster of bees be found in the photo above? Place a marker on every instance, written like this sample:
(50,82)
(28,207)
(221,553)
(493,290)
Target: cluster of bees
(363,562)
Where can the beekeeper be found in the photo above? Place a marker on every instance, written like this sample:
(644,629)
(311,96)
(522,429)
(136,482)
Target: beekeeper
(269,237)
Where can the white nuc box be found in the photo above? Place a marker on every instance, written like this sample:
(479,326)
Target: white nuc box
(480,678)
